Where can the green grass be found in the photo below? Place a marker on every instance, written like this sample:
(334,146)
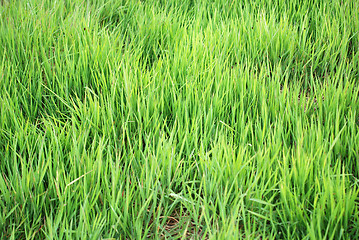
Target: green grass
(179,119)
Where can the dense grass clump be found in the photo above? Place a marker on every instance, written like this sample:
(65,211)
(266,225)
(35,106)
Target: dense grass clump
(179,119)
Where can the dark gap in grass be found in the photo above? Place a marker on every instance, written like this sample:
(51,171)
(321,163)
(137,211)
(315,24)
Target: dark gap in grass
(176,226)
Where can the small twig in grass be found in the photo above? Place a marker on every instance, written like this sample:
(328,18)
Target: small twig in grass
(72,182)
(38,230)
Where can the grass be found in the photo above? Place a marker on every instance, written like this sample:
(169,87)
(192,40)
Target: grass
(179,119)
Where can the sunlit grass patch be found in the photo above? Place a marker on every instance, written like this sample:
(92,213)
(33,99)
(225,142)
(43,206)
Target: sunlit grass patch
(179,119)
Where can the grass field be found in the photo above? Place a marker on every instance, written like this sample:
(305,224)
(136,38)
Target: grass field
(179,119)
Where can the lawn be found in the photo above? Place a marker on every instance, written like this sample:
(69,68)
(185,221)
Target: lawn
(210,119)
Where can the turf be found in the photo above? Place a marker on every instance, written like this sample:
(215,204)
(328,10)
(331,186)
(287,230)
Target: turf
(179,119)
